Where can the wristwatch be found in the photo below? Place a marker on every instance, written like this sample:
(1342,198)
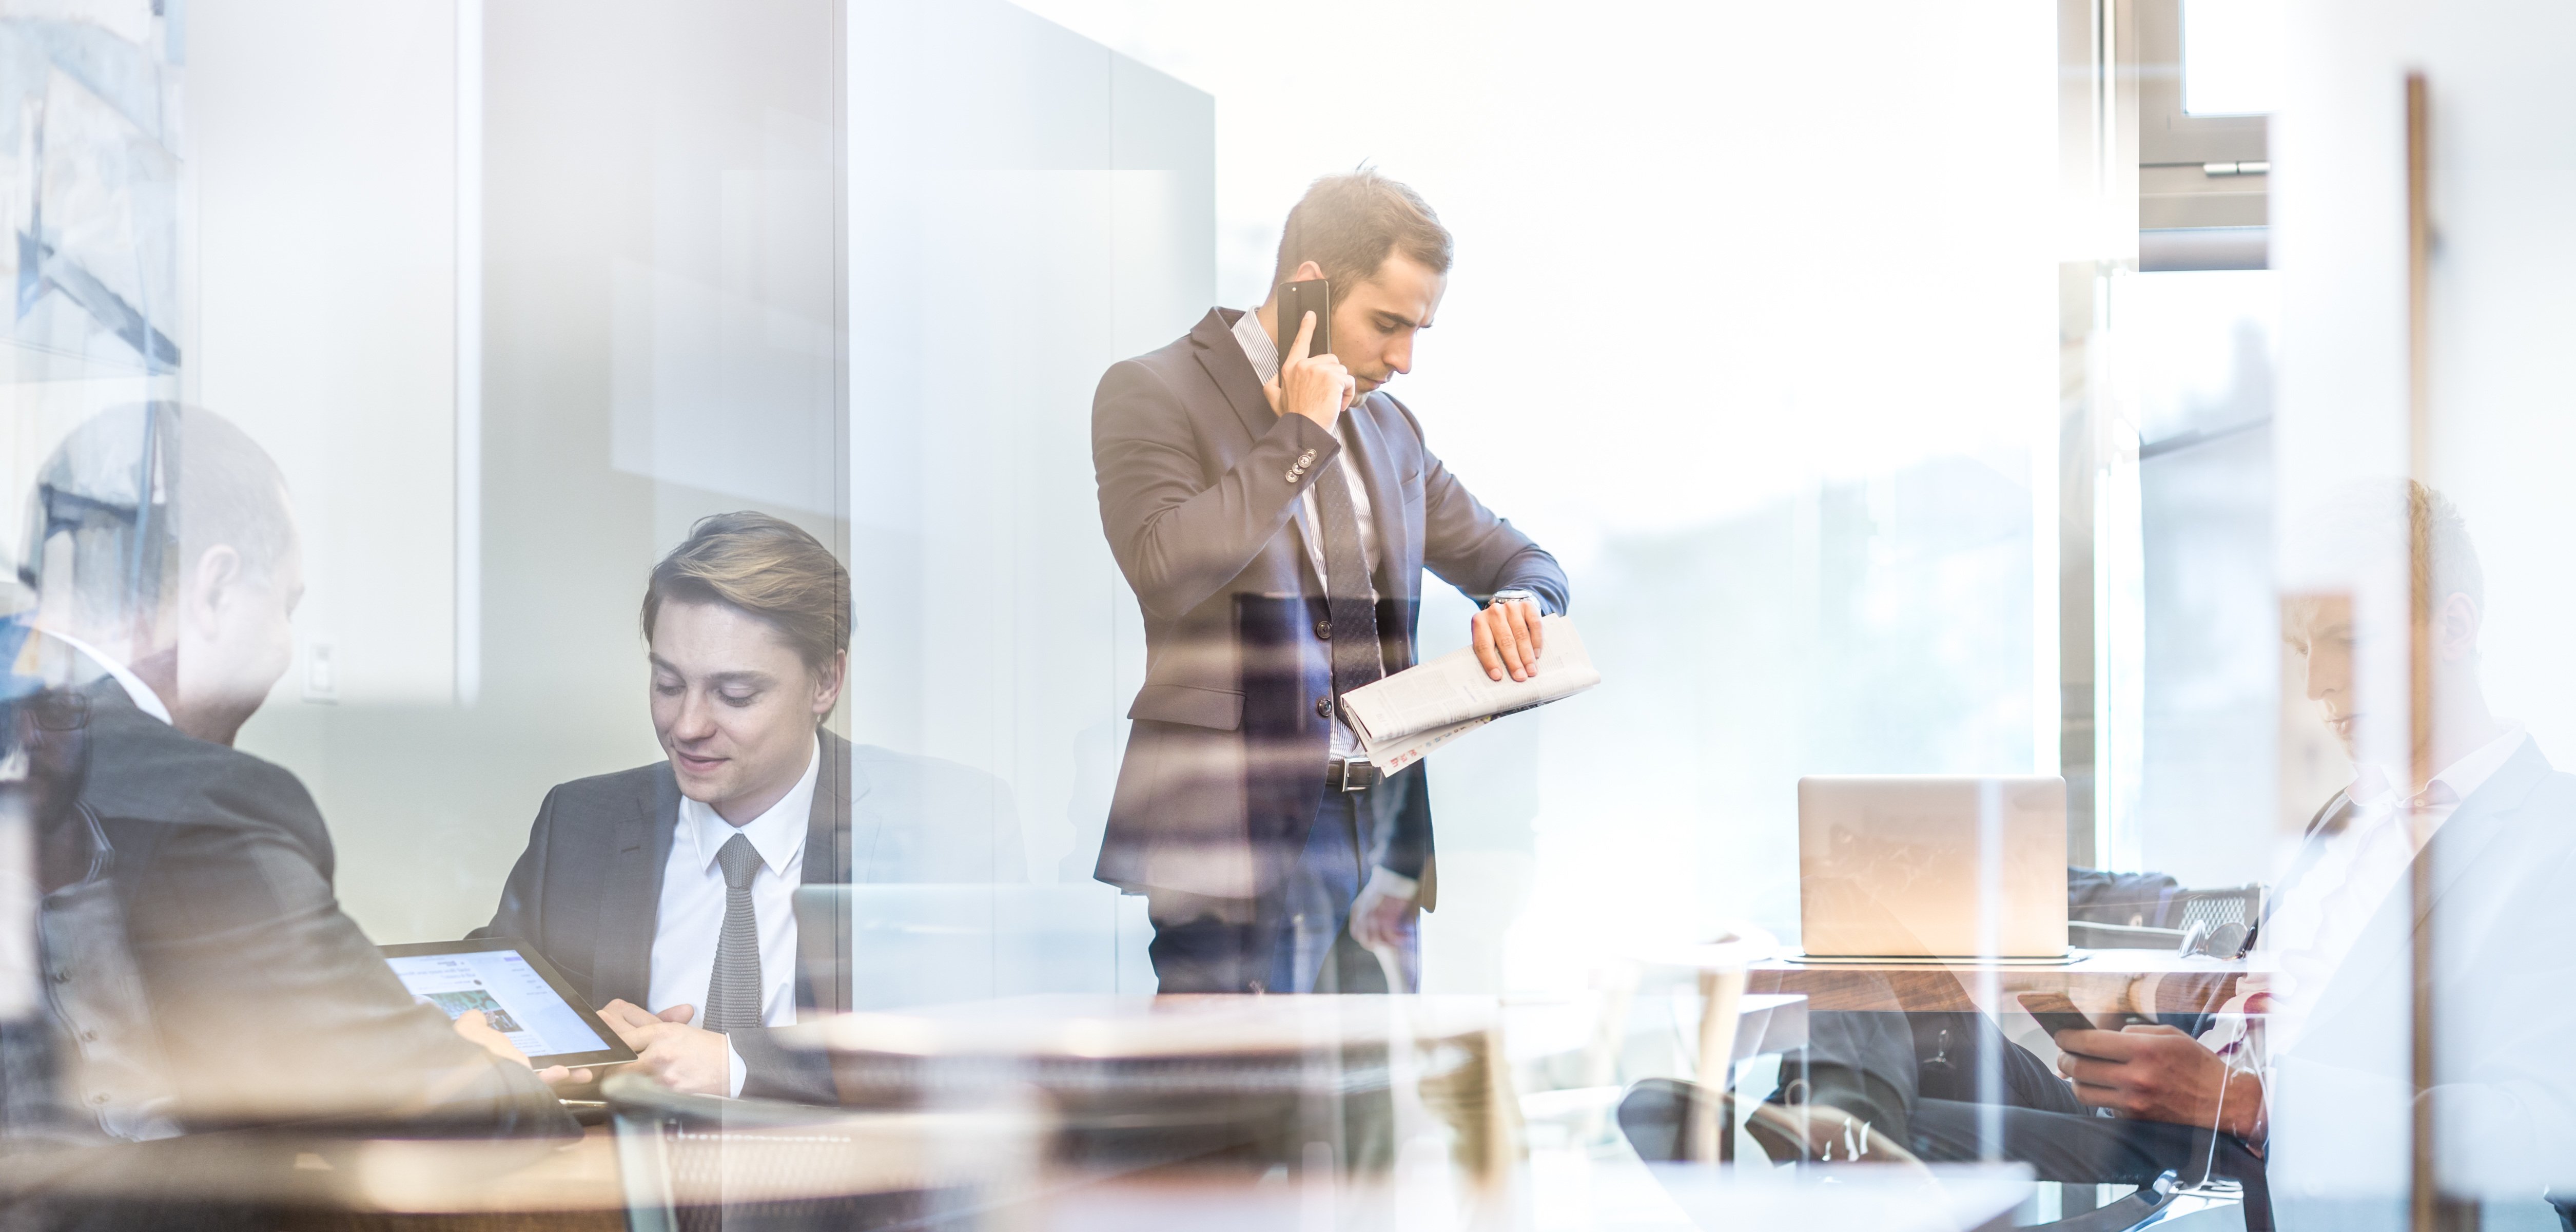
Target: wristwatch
(1514,595)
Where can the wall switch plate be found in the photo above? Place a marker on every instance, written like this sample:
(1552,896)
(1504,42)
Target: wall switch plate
(321,674)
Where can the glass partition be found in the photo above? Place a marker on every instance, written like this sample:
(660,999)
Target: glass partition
(1844,628)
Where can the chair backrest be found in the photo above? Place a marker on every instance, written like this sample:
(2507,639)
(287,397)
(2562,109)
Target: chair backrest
(685,1160)
(2134,1211)
(2233,905)
(1659,1116)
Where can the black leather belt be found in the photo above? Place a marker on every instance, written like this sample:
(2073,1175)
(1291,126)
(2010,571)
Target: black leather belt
(1355,774)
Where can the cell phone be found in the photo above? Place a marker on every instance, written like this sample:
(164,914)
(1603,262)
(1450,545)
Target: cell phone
(2056,1014)
(1296,299)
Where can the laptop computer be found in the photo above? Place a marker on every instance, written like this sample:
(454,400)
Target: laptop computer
(929,944)
(1932,867)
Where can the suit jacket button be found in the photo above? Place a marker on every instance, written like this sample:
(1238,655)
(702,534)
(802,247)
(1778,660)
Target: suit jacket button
(1306,459)
(1291,476)
(1323,707)
(1324,629)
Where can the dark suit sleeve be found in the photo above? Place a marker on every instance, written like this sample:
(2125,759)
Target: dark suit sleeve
(521,913)
(1178,538)
(1470,548)
(271,1004)
(1467,546)
(770,1071)
(1408,844)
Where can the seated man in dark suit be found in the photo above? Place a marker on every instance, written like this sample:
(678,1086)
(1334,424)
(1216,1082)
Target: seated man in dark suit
(196,951)
(666,893)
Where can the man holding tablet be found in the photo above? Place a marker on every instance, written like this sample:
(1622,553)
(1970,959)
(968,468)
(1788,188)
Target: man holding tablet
(515,993)
(665,894)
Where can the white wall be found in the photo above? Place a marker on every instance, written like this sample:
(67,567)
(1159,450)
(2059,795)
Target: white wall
(2504,179)
(1753,325)
(659,275)
(323,152)
(1027,207)
(2503,188)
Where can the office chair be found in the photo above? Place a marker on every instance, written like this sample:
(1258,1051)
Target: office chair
(691,1162)
(2217,922)
(1658,1113)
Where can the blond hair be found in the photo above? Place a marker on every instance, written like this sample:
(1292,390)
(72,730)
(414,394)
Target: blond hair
(763,567)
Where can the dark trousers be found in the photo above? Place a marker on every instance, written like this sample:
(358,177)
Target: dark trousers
(1299,938)
(1955,1089)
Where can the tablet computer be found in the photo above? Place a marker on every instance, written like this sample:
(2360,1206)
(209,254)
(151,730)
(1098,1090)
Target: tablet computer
(519,993)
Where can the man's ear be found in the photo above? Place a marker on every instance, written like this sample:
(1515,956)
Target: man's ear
(1306,271)
(828,682)
(2455,627)
(217,573)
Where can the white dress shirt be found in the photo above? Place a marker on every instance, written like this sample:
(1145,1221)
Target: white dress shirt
(693,904)
(2312,929)
(1264,355)
(144,698)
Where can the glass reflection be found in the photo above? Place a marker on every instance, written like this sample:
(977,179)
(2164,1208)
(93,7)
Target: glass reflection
(742,645)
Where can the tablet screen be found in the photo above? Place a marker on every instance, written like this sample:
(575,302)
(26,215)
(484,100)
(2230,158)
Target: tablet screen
(515,995)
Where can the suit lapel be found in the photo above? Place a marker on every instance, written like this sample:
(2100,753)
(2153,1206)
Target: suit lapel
(861,823)
(1395,550)
(630,900)
(1221,356)
(1224,361)
(822,921)
(2455,848)
(2328,822)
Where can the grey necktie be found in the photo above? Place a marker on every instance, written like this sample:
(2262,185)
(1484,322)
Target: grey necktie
(733,988)
(1357,659)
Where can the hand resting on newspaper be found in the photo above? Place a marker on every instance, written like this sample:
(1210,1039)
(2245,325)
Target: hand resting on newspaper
(1507,638)
(1402,718)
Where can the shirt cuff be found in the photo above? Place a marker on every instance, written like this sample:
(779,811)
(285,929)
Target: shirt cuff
(733,1061)
(1392,884)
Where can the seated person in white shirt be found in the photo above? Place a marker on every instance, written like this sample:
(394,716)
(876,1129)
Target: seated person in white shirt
(2327,982)
(666,894)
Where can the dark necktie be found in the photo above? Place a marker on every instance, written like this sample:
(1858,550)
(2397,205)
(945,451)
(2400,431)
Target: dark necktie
(1348,607)
(733,988)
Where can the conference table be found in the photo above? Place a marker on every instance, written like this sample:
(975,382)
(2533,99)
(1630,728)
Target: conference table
(2097,981)
(1456,1050)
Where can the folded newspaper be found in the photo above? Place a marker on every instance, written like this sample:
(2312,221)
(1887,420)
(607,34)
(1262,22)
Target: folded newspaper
(1405,716)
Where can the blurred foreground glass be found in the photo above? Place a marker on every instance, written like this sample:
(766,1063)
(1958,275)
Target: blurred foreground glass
(2232,56)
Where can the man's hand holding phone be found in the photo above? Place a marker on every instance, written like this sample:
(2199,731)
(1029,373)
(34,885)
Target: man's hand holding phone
(1315,386)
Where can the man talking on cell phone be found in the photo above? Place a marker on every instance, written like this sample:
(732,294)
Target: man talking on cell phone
(1274,508)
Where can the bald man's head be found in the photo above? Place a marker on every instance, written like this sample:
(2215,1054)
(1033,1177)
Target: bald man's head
(132,499)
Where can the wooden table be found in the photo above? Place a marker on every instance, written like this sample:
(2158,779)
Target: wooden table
(1613,1192)
(318,1183)
(2146,981)
(1145,1078)
(322,1184)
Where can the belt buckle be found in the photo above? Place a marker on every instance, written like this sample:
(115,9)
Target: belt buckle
(1352,774)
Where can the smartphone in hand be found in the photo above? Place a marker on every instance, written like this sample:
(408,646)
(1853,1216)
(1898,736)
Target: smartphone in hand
(1296,299)
(2057,1015)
